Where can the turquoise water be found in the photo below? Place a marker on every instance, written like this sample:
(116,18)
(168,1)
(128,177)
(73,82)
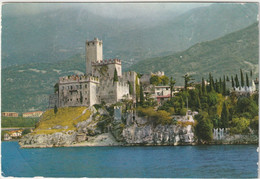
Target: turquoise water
(164,161)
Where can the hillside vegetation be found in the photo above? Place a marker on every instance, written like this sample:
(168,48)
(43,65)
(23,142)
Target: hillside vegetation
(223,56)
(59,34)
(27,87)
(64,120)
(13,122)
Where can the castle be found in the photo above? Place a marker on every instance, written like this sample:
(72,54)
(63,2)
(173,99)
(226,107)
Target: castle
(103,82)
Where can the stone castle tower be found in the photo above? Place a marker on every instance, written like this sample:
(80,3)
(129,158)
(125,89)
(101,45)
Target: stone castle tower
(94,53)
(98,84)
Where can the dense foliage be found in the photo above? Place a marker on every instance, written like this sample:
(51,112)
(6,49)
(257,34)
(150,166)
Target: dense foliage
(8,122)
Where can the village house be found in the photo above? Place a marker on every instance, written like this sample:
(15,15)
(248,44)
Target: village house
(33,114)
(10,114)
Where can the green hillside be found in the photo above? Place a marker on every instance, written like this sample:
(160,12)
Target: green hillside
(27,87)
(59,34)
(223,56)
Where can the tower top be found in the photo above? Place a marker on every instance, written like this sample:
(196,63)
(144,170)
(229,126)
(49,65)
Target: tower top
(95,40)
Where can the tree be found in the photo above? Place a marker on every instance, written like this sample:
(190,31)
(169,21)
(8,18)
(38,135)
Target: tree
(141,95)
(251,73)
(239,125)
(247,105)
(81,98)
(56,87)
(26,131)
(224,86)
(55,109)
(131,90)
(217,86)
(224,116)
(220,85)
(211,87)
(164,80)
(247,80)
(203,86)
(236,81)
(155,80)
(172,83)
(204,127)
(227,78)
(242,78)
(115,75)
(187,81)
(232,80)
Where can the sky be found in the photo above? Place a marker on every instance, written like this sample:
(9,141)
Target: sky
(111,10)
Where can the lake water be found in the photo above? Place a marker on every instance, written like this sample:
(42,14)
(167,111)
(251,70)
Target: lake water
(164,161)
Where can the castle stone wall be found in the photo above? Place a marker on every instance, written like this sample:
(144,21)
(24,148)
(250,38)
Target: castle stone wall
(94,53)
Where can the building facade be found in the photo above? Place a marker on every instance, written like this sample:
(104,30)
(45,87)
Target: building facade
(98,85)
(10,114)
(33,114)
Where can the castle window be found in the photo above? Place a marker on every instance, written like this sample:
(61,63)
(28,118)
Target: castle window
(80,87)
(86,99)
(93,43)
(86,85)
(70,87)
(70,99)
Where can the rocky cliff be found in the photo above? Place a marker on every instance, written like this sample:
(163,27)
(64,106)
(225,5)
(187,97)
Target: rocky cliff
(100,129)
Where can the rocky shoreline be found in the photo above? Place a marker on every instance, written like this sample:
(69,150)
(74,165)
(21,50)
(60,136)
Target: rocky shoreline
(100,131)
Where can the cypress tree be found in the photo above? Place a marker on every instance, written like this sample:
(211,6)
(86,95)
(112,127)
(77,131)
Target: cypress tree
(251,73)
(213,84)
(242,78)
(236,81)
(200,91)
(233,85)
(224,86)
(220,85)
(217,86)
(55,109)
(115,75)
(227,78)
(203,86)
(224,116)
(247,80)
(210,83)
(172,83)
(131,90)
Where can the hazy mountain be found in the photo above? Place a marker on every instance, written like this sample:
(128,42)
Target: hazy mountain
(26,87)
(223,56)
(35,34)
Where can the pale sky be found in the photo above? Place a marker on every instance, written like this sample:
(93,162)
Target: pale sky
(111,10)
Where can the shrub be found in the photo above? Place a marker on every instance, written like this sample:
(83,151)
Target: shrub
(183,111)
(254,124)
(26,131)
(239,125)
(185,123)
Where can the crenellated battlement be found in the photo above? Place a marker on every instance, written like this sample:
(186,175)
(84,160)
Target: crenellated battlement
(107,61)
(98,83)
(77,78)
